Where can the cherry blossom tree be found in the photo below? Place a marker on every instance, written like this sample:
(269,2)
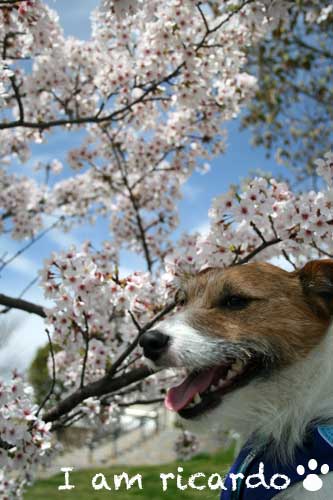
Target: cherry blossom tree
(149,94)
(291,113)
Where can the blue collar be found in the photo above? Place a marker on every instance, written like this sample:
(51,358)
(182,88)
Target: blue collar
(317,445)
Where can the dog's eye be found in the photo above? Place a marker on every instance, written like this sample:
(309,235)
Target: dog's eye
(234,302)
(180,298)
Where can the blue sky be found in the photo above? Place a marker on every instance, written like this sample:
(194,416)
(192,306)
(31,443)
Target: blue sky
(198,192)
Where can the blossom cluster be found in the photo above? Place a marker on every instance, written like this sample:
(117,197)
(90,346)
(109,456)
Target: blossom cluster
(152,89)
(186,445)
(92,310)
(262,220)
(5,75)
(27,437)
(91,319)
(21,200)
(318,13)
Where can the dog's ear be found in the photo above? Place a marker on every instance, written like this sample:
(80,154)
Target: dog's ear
(317,282)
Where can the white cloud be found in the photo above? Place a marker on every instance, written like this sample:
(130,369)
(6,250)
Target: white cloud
(24,334)
(21,264)
(62,240)
(24,265)
(27,336)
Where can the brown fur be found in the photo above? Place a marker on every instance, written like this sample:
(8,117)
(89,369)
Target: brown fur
(289,312)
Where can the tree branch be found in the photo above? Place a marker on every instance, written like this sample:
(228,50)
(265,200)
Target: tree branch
(312,48)
(108,384)
(257,250)
(121,113)
(31,242)
(284,253)
(136,208)
(23,305)
(209,31)
(116,115)
(99,388)
(141,402)
(18,98)
(24,291)
(9,2)
(322,251)
(86,350)
(257,231)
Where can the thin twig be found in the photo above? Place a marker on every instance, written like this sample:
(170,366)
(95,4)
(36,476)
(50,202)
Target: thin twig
(78,417)
(203,17)
(270,218)
(135,321)
(28,286)
(141,402)
(28,245)
(62,423)
(237,254)
(18,98)
(131,362)
(257,250)
(86,339)
(284,253)
(142,330)
(257,231)
(288,259)
(209,31)
(321,251)
(136,208)
(49,394)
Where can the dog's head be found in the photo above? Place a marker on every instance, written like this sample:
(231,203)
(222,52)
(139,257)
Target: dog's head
(238,326)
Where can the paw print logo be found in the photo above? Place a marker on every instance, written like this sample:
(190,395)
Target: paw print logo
(312,481)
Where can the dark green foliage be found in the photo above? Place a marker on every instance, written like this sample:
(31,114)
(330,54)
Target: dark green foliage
(39,377)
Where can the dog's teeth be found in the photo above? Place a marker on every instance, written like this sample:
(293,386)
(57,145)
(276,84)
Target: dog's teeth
(231,374)
(237,366)
(221,382)
(213,387)
(197,399)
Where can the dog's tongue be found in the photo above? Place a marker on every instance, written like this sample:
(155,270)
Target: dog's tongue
(178,397)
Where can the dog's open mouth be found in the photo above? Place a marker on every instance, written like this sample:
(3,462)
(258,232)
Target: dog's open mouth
(204,390)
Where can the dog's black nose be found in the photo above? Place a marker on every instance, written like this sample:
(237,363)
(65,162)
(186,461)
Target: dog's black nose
(153,343)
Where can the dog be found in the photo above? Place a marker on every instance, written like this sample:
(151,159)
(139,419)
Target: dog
(257,345)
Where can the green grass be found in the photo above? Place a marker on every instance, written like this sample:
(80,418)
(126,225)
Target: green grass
(47,489)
